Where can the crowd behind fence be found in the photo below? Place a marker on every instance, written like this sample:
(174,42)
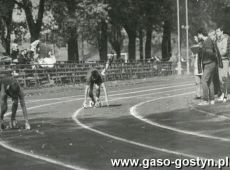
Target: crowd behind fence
(72,73)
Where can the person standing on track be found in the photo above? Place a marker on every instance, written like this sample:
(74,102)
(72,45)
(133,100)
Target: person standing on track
(210,59)
(197,73)
(223,44)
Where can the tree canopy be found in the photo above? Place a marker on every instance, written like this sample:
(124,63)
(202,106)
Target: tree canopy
(103,22)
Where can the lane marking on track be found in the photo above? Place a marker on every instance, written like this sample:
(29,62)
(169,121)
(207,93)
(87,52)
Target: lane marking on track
(49,160)
(209,113)
(128,97)
(153,89)
(75,115)
(115,91)
(56,162)
(133,112)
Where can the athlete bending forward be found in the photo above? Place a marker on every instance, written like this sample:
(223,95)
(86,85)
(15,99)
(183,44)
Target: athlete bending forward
(10,88)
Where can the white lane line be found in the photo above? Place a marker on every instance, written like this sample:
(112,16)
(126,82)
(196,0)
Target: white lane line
(133,112)
(44,105)
(16,150)
(154,89)
(115,91)
(53,161)
(49,160)
(209,113)
(149,94)
(119,98)
(75,115)
(55,98)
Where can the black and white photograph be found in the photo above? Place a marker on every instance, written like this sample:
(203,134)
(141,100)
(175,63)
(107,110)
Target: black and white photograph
(114,84)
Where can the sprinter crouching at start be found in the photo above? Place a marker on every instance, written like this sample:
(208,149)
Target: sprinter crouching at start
(94,80)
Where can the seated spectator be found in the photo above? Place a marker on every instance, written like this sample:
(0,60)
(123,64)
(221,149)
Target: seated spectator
(34,45)
(35,48)
(22,59)
(47,61)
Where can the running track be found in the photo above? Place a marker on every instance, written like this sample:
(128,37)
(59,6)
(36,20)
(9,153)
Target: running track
(148,120)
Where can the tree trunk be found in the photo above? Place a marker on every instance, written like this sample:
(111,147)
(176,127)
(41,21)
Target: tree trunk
(73,54)
(141,44)
(166,41)
(35,34)
(132,45)
(34,26)
(131,31)
(116,39)
(8,39)
(102,41)
(148,42)
(117,48)
(118,51)
(6,23)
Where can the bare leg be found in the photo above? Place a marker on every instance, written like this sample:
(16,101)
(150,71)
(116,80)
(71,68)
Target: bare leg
(24,110)
(106,95)
(91,93)
(98,91)
(14,111)
(86,96)
(3,105)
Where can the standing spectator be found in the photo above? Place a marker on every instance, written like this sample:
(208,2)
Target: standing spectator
(210,60)
(34,47)
(14,53)
(47,61)
(197,73)
(14,56)
(223,44)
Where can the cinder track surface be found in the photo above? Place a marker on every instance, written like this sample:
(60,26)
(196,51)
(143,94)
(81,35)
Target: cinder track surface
(151,119)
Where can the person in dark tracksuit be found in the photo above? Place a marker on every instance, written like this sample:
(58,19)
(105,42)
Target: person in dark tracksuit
(210,59)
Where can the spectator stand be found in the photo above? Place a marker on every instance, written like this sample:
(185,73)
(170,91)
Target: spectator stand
(73,73)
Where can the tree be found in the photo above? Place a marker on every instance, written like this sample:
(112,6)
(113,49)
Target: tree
(167,14)
(166,49)
(6,10)
(151,17)
(82,17)
(102,40)
(72,41)
(116,38)
(126,13)
(72,31)
(34,24)
(64,13)
(94,24)
(141,48)
(219,12)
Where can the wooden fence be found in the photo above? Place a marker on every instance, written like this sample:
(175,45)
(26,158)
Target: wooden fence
(72,73)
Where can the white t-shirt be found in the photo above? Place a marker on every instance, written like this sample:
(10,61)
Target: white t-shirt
(47,61)
(196,73)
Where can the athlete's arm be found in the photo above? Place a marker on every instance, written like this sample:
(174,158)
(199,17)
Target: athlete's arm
(106,95)
(86,94)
